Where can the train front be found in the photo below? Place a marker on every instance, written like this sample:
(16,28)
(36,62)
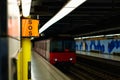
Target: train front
(62,51)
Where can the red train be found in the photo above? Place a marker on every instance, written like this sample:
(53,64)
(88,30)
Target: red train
(57,50)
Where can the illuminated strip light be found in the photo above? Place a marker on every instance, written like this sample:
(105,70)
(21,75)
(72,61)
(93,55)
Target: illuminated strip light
(97,36)
(69,7)
(89,37)
(26,5)
(112,35)
(79,38)
(93,36)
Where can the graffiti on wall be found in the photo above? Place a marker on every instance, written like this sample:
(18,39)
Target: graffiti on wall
(105,46)
(114,45)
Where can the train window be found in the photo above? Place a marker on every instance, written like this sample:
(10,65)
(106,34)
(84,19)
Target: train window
(69,45)
(56,46)
(61,46)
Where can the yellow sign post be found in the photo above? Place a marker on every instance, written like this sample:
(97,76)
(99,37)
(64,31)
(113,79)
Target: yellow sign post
(29,29)
(26,59)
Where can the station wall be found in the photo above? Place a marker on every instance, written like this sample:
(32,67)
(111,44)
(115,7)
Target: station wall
(108,46)
(13,36)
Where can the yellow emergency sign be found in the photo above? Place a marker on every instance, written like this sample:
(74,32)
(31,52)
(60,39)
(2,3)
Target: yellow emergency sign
(30,27)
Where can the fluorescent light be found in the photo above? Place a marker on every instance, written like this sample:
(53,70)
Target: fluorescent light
(113,35)
(56,18)
(69,7)
(32,38)
(74,3)
(89,37)
(97,36)
(26,5)
(77,38)
(85,37)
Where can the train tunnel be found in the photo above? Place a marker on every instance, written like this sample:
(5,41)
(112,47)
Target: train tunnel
(59,40)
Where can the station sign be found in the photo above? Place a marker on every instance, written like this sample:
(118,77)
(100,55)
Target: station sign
(30,27)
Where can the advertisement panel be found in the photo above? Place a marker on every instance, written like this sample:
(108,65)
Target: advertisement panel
(13,19)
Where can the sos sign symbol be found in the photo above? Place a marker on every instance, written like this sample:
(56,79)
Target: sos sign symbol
(30,27)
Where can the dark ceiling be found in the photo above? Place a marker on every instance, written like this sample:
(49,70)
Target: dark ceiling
(94,17)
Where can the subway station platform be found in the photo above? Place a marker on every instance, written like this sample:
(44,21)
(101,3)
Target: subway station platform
(43,70)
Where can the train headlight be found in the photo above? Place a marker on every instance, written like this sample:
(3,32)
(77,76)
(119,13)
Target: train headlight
(71,59)
(55,59)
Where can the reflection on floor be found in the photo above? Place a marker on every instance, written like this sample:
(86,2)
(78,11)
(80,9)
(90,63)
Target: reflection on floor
(42,70)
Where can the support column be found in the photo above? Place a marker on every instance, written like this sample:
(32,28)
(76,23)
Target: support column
(26,59)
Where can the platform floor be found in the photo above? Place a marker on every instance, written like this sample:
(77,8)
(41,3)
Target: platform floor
(105,56)
(42,70)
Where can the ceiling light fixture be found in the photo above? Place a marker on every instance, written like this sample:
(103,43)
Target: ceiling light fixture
(113,35)
(69,7)
(26,5)
(98,36)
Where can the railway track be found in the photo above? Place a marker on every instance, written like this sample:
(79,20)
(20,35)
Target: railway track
(81,71)
(95,73)
(80,75)
(86,72)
